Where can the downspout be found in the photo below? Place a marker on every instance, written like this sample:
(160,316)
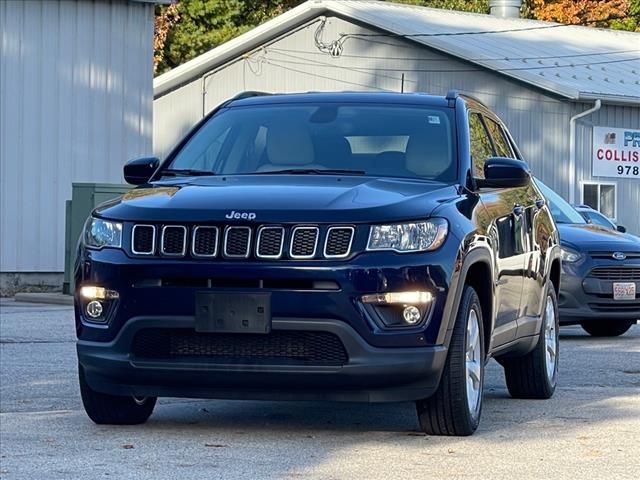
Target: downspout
(572,148)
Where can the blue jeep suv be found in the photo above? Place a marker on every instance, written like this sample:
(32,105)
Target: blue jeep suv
(370,247)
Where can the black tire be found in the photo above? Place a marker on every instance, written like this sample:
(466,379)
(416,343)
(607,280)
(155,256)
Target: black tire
(447,411)
(602,329)
(106,409)
(528,376)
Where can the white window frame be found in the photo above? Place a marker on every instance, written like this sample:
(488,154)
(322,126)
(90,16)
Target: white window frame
(599,184)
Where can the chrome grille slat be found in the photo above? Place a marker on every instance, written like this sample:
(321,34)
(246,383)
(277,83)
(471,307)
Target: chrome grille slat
(274,242)
(237,242)
(143,239)
(270,242)
(173,241)
(338,242)
(204,243)
(304,242)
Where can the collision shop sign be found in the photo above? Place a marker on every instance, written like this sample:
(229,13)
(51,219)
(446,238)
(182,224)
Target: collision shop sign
(616,152)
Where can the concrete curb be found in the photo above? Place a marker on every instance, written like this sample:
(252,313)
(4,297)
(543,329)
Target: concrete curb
(49,298)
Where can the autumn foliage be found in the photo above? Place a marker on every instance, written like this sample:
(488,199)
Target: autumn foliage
(579,11)
(164,20)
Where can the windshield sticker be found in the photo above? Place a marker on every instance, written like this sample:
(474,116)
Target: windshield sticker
(433,119)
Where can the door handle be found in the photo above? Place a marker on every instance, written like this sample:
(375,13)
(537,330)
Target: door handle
(518,210)
(540,203)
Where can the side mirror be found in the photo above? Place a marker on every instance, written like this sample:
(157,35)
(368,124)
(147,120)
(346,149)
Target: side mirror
(504,172)
(139,170)
(621,229)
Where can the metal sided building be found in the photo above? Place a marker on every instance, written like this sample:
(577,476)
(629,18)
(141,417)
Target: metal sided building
(75,104)
(570,95)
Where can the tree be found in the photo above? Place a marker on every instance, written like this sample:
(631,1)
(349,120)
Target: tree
(477,6)
(579,12)
(165,19)
(204,24)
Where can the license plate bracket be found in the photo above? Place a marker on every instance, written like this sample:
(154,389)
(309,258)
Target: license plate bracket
(624,291)
(233,312)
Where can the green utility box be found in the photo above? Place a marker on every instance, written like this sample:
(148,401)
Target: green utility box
(84,198)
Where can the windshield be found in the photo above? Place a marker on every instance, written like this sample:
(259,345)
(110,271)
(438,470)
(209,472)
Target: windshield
(365,139)
(561,211)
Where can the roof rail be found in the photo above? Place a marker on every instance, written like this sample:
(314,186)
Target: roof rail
(247,94)
(451,96)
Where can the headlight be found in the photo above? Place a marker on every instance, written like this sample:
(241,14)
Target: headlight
(100,233)
(409,237)
(570,256)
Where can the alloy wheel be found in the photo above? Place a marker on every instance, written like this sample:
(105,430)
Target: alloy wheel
(473,367)
(550,338)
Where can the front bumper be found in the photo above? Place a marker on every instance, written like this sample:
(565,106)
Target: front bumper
(370,374)
(585,298)
(398,364)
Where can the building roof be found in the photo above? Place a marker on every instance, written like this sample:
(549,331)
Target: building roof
(578,63)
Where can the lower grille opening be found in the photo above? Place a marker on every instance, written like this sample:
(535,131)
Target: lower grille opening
(238,283)
(280,347)
(616,307)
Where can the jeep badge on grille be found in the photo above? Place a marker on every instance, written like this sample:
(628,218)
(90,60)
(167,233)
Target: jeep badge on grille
(233,215)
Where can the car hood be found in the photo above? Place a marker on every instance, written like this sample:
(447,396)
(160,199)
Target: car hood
(280,198)
(595,238)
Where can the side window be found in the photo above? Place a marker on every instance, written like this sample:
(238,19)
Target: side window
(499,138)
(481,147)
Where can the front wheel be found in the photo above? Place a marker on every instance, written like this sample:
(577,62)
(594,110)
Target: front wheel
(106,409)
(535,375)
(602,329)
(455,407)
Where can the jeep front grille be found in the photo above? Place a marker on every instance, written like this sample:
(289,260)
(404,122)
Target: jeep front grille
(263,242)
(237,242)
(304,241)
(205,242)
(174,240)
(143,238)
(270,242)
(338,242)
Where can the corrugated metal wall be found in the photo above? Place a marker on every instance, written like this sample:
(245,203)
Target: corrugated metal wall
(75,104)
(628,191)
(538,121)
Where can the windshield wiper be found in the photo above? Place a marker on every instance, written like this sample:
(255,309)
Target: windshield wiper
(185,172)
(312,171)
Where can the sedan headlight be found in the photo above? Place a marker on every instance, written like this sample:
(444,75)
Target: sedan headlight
(569,255)
(409,237)
(100,233)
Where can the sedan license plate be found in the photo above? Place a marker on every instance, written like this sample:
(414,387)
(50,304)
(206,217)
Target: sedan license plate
(624,291)
(233,312)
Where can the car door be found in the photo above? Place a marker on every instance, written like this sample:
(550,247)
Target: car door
(505,231)
(529,201)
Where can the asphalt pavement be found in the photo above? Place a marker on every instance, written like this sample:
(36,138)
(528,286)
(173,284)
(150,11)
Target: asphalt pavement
(589,429)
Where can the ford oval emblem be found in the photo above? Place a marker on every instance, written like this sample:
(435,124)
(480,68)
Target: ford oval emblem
(619,256)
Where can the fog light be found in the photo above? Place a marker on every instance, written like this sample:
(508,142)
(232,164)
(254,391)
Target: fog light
(94,309)
(91,292)
(411,315)
(398,297)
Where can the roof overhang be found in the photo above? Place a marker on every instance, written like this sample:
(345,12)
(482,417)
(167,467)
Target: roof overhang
(309,11)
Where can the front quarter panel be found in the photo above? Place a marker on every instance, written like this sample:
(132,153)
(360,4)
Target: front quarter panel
(468,224)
